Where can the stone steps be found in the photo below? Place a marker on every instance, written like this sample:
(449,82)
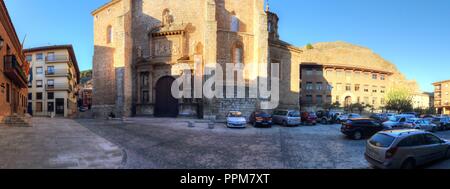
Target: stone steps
(16,121)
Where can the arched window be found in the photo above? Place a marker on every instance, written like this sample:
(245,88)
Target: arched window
(109,34)
(234,25)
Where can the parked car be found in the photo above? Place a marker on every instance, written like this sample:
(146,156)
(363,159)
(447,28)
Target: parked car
(421,124)
(380,118)
(259,119)
(360,128)
(442,122)
(236,120)
(412,113)
(398,122)
(327,117)
(286,117)
(308,118)
(82,109)
(344,117)
(426,116)
(405,149)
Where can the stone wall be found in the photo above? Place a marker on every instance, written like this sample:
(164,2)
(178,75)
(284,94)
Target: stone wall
(112,74)
(10,40)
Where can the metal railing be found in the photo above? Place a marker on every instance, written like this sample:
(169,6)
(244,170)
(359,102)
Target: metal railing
(58,87)
(13,70)
(57,58)
(57,72)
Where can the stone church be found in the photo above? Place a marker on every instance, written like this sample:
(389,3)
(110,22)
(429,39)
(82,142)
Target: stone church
(139,45)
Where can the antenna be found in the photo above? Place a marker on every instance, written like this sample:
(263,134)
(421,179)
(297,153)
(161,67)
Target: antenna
(267,6)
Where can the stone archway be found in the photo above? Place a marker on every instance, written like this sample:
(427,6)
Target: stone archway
(165,105)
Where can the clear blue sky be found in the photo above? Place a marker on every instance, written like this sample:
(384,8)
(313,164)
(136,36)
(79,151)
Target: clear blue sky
(413,34)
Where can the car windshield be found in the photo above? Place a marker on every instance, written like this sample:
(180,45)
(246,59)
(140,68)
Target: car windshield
(382,140)
(235,114)
(392,118)
(400,118)
(294,114)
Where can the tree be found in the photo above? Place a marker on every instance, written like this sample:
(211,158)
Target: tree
(399,99)
(332,106)
(360,107)
(85,76)
(309,46)
(370,107)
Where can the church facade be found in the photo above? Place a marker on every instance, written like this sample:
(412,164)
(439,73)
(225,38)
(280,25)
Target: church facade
(140,46)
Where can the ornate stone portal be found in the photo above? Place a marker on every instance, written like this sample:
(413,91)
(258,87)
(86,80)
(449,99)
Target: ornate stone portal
(167,49)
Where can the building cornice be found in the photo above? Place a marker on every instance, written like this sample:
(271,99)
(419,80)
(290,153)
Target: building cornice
(103,7)
(347,67)
(282,44)
(441,82)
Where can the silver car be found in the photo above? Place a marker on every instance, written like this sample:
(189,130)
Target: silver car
(422,124)
(286,117)
(405,149)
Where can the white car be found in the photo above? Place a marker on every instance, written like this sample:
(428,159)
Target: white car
(345,117)
(422,124)
(236,120)
(398,122)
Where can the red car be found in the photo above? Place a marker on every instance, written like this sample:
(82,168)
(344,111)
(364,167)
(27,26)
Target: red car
(309,118)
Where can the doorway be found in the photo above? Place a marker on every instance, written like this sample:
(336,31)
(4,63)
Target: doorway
(166,105)
(60,106)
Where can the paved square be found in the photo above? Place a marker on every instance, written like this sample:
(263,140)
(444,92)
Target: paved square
(56,144)
(141,143)
(170,143)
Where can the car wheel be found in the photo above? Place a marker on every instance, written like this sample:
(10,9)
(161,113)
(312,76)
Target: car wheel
(357,135)
(324,121)
(254,124)
(285,123)
(409,164)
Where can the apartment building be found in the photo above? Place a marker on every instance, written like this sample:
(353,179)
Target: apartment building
(422,100)
(442,97)
(13,69)
(53,81)
(326,84)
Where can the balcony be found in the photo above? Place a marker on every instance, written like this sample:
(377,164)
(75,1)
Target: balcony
(58,73)
(14,72)
(59,87)
(57,59)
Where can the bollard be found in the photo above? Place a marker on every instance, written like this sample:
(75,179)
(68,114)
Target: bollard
(191,124)
(211,124)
